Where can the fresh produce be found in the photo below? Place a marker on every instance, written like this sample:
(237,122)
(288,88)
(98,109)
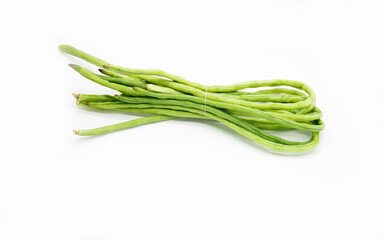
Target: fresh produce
(283,105)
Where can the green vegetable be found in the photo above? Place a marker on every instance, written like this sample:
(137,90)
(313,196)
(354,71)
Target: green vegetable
(286,105)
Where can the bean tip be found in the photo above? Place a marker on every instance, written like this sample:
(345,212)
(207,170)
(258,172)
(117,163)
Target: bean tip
(76,95)
(101,70)
(76,132)
(72,65)
(63,47)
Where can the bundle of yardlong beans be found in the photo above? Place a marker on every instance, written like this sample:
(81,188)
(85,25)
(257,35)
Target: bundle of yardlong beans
(283,105)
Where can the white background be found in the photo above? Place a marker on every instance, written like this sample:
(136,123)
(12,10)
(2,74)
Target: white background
(183,179)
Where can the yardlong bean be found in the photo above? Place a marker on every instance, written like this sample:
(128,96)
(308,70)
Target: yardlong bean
(284,105)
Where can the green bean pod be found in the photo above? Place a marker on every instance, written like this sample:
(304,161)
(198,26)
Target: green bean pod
(284,105)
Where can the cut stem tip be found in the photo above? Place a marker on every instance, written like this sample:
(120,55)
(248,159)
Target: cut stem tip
(72,65)
(76,132)
(76,95)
